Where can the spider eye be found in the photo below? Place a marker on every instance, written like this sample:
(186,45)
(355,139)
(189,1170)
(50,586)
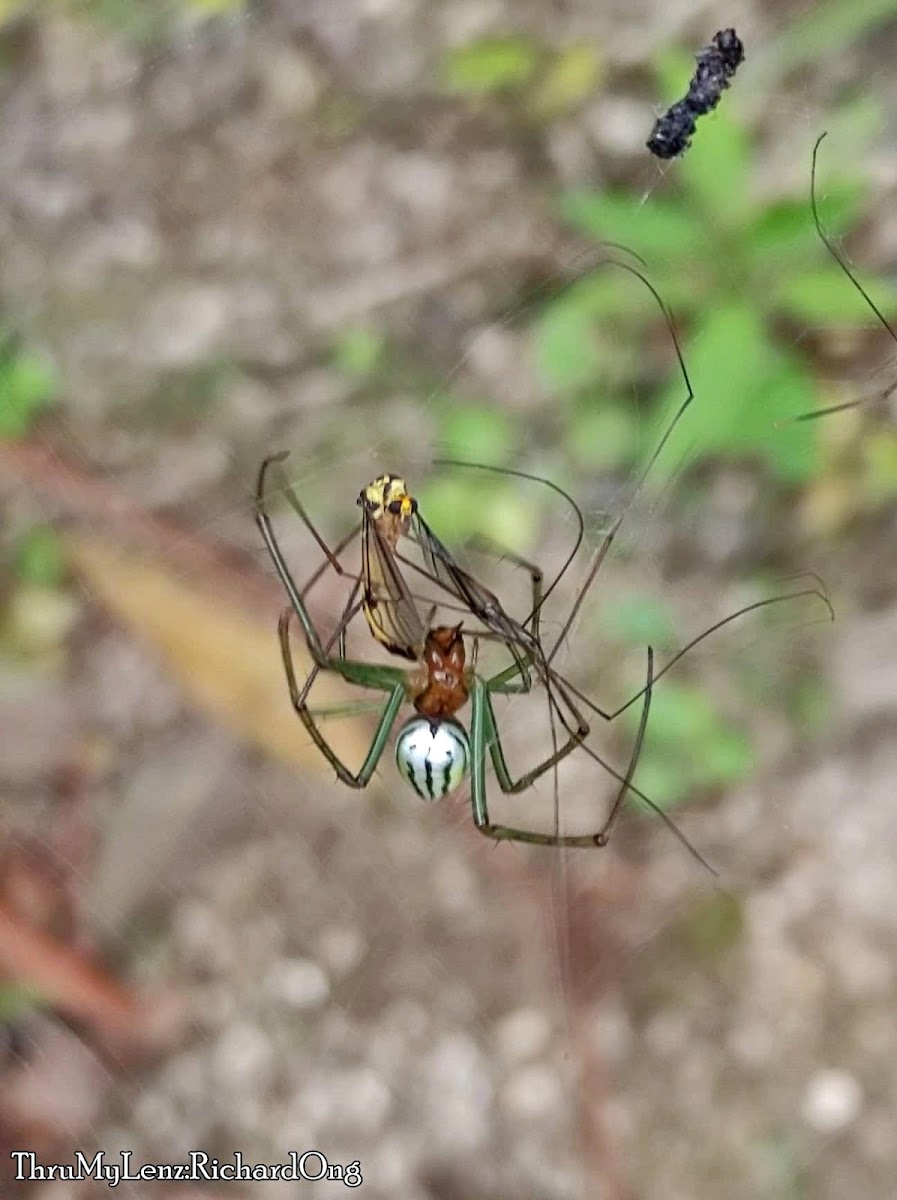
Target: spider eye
(433,756)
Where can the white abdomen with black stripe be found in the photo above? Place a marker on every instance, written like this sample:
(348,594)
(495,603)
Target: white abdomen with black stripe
(433,755)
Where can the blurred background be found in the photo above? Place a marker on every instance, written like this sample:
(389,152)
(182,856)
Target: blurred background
(375,233)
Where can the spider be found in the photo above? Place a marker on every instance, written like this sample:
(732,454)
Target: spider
(433,751)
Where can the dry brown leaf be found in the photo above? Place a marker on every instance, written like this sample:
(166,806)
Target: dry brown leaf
(227,662)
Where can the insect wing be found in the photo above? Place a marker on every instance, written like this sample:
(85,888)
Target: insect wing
(484,604)
(389,607)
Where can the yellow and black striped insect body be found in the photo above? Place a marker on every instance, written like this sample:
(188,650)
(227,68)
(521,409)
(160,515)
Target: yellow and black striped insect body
(390,611)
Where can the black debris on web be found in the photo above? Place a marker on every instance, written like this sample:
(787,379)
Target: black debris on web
(716,65)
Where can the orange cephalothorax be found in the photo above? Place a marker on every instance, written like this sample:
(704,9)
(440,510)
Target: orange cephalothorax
(444,688)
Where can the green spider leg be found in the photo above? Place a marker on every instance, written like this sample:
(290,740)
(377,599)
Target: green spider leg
(484,736)
(392,680)
(484,733)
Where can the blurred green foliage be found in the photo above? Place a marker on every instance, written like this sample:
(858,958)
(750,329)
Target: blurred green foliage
(742,276)
(484,503)
(691,749)
(542,83)
(37,612)
(478,434)
(359,351)
(780,1165)
(38,557)
(491,65)
(27,387)
(640,620)
(826,28)
(714,924)
(879,480)
(16,1002)
(139,20)
(34,623)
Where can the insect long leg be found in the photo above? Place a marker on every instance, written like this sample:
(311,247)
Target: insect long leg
(289,493)
(606,543)
(383,679)
(830,245)
(484,736)
(803,593)
(319,654)
(603,836)
(435,548)
(338,637)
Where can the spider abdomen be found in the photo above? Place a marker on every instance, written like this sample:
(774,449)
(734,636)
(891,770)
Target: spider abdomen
(433,755)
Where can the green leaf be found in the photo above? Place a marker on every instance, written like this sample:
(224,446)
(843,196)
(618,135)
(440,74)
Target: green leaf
(478,434)
(17,1000)
(567,356)
(38,557)
(725,358)
(452,506)
(781,233)
(689,747)
(509,519)
(359,351)
(10,8)
(810,706)
(586,332)
(143,24)
(660,778)
(491,65)
(840,203)
(791,451)
(212,7)
(743,385)
(37,619)
(715,171)
(568,343)
(715,924)
(27,387)
(729,758)
(460,509)
(602,435)
(569,79)
(673,70)
(660,231)
(826,296)
(680,714)
(824,30)
(880,459)
(857,125)
(640,620)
